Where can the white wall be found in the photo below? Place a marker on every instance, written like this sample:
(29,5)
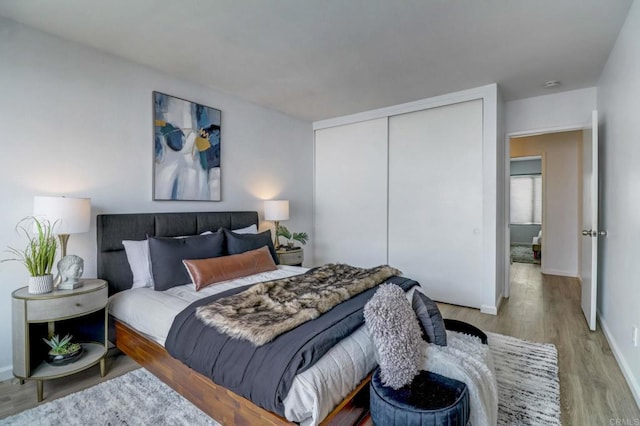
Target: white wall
(572,108)
(501,243)
(562,176)
(619,105)
(76,122)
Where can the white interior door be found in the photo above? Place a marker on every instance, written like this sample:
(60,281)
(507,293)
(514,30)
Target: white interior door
(350,210)
(435,200)
(590,232)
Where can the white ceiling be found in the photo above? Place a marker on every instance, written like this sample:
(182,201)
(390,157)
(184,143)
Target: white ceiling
(326,58)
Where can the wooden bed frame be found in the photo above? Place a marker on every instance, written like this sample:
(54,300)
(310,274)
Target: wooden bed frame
(218,402)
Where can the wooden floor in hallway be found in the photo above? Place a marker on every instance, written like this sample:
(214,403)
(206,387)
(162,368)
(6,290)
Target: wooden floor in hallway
(546,309)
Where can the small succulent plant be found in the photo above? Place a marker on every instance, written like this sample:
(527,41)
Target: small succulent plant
(62,346)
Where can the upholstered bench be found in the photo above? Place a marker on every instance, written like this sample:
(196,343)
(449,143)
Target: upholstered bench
(430,400)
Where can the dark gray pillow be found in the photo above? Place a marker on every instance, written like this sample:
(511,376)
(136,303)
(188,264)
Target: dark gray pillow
(240,243)
(430,319)
(167,255)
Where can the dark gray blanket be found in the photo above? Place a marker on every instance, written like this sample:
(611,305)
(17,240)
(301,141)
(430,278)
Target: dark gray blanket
(264,374)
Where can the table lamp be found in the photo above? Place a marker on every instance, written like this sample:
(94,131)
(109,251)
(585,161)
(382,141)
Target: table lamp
(70,216)
(276,210)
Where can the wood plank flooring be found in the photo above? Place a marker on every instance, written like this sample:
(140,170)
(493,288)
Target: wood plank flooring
(541,308)
(546,309)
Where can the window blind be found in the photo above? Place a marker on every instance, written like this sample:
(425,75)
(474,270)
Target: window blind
(526,199)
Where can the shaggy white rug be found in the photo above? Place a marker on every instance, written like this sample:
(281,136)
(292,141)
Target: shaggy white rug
(136,398)
(527,376)
(528,385)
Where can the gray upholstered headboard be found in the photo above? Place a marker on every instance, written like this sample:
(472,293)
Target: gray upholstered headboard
(113,228)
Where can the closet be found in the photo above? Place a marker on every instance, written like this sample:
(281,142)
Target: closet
(351,194)
(409,188)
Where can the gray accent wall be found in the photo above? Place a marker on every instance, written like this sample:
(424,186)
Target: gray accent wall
(523,234)
(526,167)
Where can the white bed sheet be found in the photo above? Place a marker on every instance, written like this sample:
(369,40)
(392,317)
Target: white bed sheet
(313,394)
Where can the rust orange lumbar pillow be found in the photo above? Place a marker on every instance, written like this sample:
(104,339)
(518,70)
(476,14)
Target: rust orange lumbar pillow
(204,272)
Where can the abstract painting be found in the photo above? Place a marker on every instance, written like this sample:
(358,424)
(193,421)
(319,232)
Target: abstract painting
(186,150)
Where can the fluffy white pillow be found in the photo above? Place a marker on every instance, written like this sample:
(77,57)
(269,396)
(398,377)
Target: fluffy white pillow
(139,262)
(396,334)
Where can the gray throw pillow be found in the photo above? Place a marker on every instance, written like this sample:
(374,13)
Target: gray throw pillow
(396,335)
(167,255)
(430,319)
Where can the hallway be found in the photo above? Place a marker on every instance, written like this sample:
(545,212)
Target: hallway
(546,309)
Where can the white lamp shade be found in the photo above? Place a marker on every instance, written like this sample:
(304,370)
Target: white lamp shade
(276,210)
(70,215)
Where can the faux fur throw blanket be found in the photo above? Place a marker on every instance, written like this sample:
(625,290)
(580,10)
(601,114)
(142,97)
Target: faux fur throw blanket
(266,310)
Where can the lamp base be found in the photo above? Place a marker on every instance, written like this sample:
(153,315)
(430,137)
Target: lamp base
(64,238)
(276,244)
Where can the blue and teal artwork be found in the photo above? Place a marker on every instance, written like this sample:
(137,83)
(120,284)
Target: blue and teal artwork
(186,150)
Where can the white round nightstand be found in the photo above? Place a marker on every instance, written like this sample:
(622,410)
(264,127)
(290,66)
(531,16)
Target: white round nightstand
(81,312)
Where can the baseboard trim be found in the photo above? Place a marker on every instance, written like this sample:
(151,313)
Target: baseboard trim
(624,366)
(559,272)
(6,373)
(491,310)
(499,303)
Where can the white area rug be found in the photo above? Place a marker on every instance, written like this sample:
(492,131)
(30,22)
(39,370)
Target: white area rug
(136,398)
(527,375)
(528,385)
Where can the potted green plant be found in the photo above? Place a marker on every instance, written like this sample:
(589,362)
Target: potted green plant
(38,255)
(301,237)
(62,350)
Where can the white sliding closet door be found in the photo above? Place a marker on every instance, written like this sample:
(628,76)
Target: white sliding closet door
(435,200)
(351,194)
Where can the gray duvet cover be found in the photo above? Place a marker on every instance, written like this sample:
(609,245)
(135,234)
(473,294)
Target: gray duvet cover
(264,374)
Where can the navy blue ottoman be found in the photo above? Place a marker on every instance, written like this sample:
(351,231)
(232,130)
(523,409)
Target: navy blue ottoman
(431,399)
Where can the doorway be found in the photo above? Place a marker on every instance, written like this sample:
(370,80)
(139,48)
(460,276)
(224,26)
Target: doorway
(545,168)
(526,182)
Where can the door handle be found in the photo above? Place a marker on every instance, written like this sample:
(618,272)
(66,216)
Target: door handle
(593,233)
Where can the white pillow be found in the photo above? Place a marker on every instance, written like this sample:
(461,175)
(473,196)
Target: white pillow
(139,262)
(252,229)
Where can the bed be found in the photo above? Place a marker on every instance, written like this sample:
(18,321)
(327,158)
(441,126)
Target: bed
(145,346)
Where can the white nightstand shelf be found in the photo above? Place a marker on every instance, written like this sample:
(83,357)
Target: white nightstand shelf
(93,354)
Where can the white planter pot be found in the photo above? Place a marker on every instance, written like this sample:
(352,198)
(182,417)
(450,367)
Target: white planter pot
(40,285)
